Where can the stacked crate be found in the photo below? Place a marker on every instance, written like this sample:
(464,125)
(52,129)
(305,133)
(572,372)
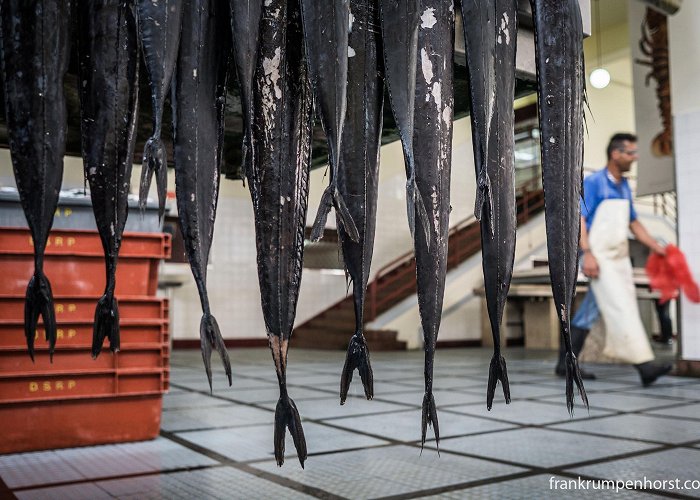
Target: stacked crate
(75,400)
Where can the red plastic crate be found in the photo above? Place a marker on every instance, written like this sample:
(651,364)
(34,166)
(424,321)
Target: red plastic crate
(74,262)
(73,335)
(97,383)
(70,309)
(80,422)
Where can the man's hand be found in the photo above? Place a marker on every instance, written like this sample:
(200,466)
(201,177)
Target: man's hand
(656,248)
(590,265)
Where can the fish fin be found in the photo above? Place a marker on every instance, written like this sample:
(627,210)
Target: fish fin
(357,357)
(106,324)
(39,302)
(345,217)
(429,418)
(287,416)
(497,372)
(324,209)
(484,198)
(210,337)
(573,374)
(415,206)
(153,163)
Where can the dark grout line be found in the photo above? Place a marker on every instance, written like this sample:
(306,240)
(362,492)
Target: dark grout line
(244,467)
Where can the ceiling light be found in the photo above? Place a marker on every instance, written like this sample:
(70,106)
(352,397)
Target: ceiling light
(600,78)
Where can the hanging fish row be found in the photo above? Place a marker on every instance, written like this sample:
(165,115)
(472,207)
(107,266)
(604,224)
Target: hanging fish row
(292,56)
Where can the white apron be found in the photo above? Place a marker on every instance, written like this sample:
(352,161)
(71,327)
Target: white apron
(614,290)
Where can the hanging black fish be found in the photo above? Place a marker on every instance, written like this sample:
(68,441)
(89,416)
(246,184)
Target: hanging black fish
(490,35)
(358,172)
(279,187)
(198,100)
(561,96)
(159,24)
(399,22)
(432,137)
(109,71)
(245,27)
(326,40)
(35,47)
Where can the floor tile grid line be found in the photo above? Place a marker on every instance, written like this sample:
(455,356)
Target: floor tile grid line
(111,478)
(244,467)
(685,444)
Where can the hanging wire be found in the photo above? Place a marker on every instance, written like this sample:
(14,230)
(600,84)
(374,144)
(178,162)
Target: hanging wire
(598,35)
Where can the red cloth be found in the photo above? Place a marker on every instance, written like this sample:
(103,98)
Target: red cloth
(669,273)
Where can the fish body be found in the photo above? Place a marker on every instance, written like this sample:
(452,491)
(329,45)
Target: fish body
(400,21)
(326,26)
(561,96)
(245,28)
(109,69)
(198,101)
(490,34)
(34,38)
(358,172)
(279,186)
(159,25)
(432,139)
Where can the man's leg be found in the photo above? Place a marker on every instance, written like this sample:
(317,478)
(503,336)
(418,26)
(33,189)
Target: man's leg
(585,317)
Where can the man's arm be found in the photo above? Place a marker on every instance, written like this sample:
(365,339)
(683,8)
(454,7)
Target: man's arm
(645,238)
(590,264)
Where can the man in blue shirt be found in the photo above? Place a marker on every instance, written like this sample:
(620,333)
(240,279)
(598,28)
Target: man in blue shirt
(607,184)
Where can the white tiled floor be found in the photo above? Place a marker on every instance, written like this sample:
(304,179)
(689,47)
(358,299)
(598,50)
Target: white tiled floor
(221,445)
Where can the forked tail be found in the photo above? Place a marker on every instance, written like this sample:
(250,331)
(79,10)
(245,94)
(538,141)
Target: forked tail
(153,162)
(497,372)
(210,337)
(39,302)
(357,357)
(573,374)
(287,416)
(429,418)
(106,324)
(332,198)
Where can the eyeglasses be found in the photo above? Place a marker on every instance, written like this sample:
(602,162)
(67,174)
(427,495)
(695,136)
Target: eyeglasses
(631,152)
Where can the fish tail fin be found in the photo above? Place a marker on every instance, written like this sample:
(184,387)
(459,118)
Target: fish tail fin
(287,416)
(210,338)
(357,357)
(497,372)
(415,205)
(345,217)
(39,302)
(106,324)
(324,209)
(153,163)
(429,418)
(573,375)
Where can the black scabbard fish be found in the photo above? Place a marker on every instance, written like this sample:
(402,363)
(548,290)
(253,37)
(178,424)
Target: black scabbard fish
(432,139)
(34,38)
(490,34)
(245,28)
(325,25)
(198,101)
(358,172)
(561,96)
(109,71)
(279,187)
(399,23)
(159,25)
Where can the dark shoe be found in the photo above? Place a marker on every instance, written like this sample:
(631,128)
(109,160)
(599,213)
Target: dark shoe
(650,371)
(560,370)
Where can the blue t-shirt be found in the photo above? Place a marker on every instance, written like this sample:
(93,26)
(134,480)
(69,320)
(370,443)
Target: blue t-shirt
(601,186)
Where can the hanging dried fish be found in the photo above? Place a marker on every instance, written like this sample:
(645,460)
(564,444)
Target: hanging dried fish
(35,48)
(198,101)
(490,35)
(358,172)
(109,71)
(561,96)
(279,186)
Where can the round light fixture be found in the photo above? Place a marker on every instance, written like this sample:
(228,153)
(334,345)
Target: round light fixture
(600,78)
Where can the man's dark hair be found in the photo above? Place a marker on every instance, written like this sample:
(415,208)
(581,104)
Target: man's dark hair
(617,141)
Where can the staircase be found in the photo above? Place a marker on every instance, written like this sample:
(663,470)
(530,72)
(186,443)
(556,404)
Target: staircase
(332,328)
